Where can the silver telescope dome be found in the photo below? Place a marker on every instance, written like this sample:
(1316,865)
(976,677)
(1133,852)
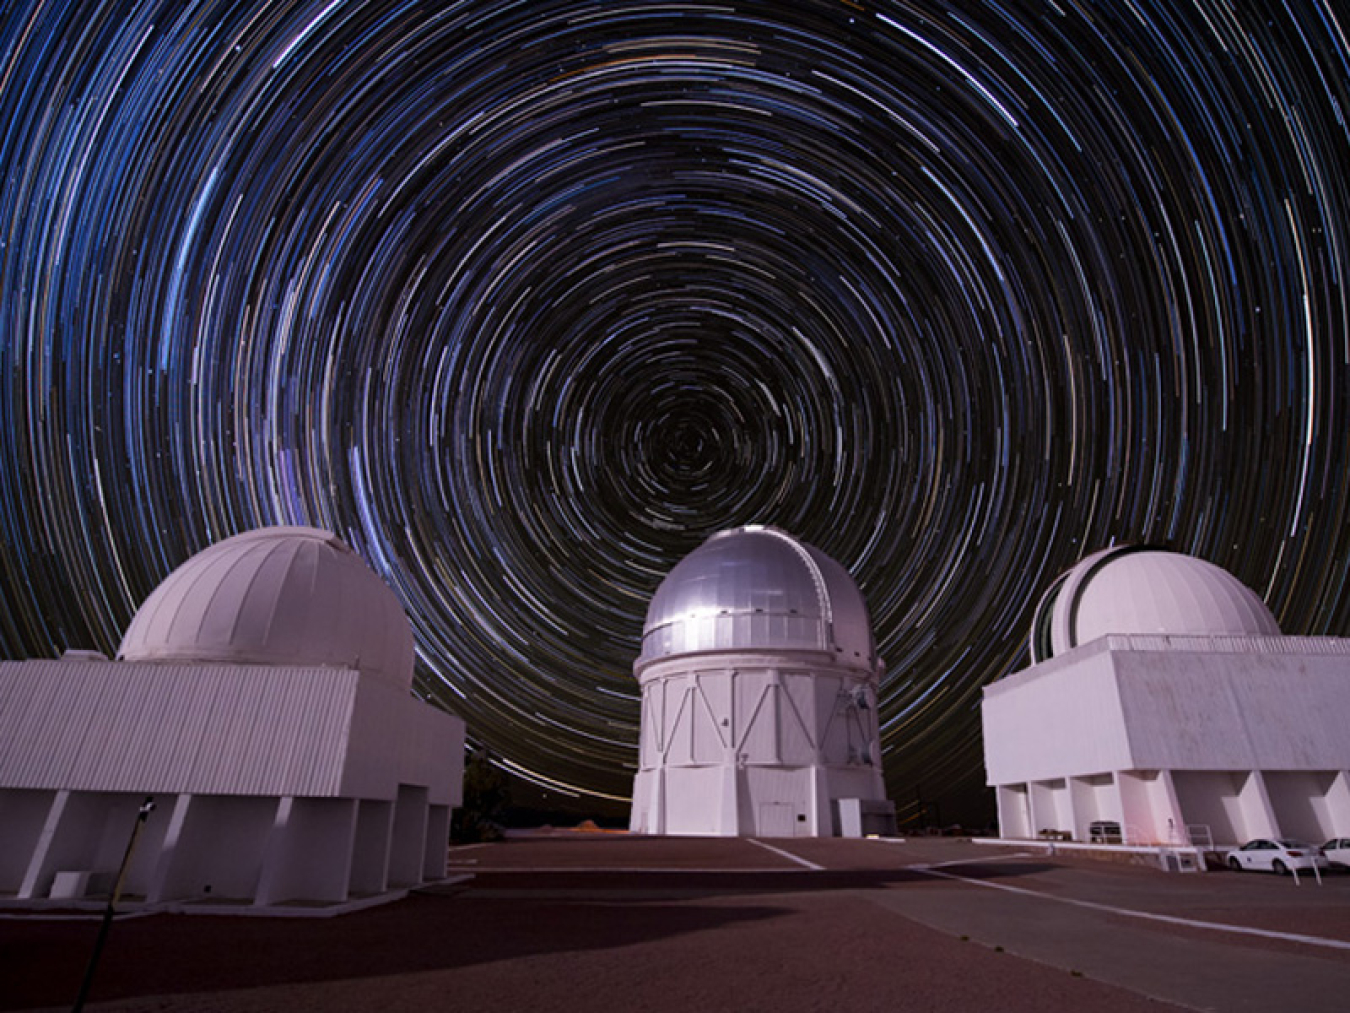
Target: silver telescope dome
(758,588)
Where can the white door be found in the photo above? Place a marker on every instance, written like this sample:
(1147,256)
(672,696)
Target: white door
(777,820)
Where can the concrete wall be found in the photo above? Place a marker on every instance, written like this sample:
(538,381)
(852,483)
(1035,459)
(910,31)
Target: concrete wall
(309,851)
(753,744)
(1244,736)
(370,848)
(88,832)
(215,847)
(1188,710)
(693,802)
(1058,719)
(396,739)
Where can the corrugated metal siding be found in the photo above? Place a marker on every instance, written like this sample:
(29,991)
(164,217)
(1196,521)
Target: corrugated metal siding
(120,726)
(1229,644)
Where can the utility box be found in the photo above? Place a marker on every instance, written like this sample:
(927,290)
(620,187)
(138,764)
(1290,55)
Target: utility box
(70,885)
(1180,861)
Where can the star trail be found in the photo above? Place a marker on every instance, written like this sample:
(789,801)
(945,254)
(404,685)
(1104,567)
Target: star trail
(524,300)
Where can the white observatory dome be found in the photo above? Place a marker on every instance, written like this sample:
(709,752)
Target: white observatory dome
(276,596)
(1140,590)
(758,588)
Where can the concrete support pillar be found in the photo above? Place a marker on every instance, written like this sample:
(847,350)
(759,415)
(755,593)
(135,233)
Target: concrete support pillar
(1067,807)
(1138,806)
(1083,797)
(1014,811)
(438,842)
(370,847)
(37,870)
(162,879)
(1168,816)
(308,854)
(819,819)
(1258,815)
(272,884)
(1338,804)
(656,815)
(728,818)
(408,843)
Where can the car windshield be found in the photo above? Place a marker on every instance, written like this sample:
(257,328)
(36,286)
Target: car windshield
(1292,844)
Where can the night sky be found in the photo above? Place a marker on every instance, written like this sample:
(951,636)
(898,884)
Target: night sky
(524,300)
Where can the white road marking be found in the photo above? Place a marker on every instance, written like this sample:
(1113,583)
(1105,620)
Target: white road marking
(789,855)
(1293,937)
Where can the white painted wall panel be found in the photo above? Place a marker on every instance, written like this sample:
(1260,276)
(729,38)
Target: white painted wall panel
(652,741)
(719,694)
(1173,703)
(1182,713)
(799,691)
(736,726)
(710,738)
(692,802)
(1055,720)
(679,733)
(396,739)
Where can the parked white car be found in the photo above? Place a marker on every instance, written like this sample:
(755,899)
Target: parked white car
(1275,856)
(1337,852)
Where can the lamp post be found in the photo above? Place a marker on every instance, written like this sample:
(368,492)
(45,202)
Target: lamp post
(141,816)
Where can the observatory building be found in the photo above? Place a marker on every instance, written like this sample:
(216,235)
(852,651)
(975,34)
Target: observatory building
(1163,707)
(262,697)
(759,680)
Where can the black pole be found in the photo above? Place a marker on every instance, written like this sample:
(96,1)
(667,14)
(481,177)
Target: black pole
(146,807)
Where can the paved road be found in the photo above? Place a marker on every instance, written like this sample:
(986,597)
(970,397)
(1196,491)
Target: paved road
(1205,968)
(663,925)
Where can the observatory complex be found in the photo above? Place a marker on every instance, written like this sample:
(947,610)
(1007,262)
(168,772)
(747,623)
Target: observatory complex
(759,681)
(1163,703)
(262,698)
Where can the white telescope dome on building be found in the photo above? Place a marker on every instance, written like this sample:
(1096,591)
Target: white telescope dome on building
(1163,707)
(1141,590)
(262,697)
(759,677)
(276,596)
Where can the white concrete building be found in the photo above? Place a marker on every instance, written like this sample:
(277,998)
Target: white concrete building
(1163,698)
(262,696)
(759,677)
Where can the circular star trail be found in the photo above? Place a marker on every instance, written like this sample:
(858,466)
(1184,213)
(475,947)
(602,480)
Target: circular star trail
(524,300)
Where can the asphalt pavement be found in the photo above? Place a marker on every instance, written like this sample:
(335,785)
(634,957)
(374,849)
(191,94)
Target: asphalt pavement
(663,924)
